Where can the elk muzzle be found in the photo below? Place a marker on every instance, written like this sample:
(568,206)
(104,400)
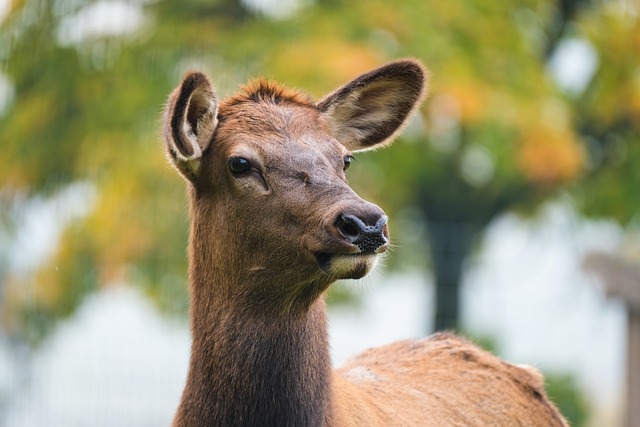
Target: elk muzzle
(370,234)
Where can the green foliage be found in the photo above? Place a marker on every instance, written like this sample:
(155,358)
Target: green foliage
(563,390)
(496,133)
(608,114)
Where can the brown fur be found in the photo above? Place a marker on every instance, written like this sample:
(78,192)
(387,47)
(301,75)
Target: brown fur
(274,223)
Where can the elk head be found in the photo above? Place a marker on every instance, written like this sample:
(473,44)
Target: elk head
(270,203)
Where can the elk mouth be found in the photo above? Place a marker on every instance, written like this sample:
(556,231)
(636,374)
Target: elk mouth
(347,266)
(323,259)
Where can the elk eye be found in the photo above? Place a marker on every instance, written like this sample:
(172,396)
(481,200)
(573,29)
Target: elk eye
(347,162)
(239,165)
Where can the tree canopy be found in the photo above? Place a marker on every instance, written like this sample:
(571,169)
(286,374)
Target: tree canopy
(86,82)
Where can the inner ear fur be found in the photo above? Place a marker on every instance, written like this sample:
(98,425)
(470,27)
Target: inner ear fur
(191,117)
(373,108)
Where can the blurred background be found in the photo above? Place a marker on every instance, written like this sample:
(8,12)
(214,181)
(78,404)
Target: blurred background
(514,195)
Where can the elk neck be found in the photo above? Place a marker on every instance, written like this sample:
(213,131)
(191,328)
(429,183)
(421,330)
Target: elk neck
(247,366)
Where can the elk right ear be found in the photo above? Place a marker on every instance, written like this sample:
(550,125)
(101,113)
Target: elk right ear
(370,110)
(191,117)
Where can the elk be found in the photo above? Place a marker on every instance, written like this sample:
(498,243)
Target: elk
(273,224)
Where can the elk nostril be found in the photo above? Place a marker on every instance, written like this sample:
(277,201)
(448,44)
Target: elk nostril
(347,227)
(381,224)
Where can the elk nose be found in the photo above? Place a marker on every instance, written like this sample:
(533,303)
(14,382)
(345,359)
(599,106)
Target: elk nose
(368,236)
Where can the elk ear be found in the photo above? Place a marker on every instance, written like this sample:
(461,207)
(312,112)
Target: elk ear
(370,110)
(191,117)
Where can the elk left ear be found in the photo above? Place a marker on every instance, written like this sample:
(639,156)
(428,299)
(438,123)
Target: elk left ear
(191,117)
(370,110)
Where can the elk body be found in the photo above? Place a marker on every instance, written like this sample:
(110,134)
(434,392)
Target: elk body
(273,224)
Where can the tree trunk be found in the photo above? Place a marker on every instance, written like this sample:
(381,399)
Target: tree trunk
(633,368)
(451,244)
(621,279)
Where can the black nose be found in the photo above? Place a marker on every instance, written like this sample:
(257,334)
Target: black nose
(368,236)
